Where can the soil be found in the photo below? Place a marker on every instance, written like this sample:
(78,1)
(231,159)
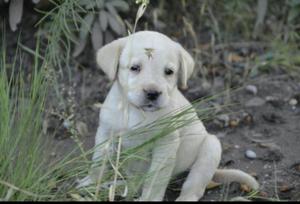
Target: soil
(270,128)
(267,123)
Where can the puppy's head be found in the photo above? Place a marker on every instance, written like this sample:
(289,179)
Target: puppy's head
(148,65)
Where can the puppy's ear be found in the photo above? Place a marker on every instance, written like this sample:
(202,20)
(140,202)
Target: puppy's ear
(186,67)
(108,57)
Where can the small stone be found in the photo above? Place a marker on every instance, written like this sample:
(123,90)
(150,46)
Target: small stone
(251,89)
(250,154)
(255,102)
(293,102)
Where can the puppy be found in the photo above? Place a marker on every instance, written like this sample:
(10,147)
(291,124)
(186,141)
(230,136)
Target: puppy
(147,68)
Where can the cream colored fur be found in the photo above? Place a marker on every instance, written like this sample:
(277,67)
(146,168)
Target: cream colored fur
(127,107)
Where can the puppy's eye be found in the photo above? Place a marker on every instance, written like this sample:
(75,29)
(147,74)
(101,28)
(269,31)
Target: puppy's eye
(135,68)
(169,71)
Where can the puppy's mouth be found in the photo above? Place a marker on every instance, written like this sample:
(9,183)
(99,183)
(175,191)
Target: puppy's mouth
(150,107)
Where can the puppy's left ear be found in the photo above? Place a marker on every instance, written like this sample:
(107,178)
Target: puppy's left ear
(186,69)
(108,57)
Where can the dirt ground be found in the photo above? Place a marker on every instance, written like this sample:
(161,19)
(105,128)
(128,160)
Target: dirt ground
(266,121)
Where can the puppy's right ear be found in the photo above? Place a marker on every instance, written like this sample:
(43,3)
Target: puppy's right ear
(108,57)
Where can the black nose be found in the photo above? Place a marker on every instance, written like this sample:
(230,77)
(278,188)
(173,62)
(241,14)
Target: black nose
(152,95)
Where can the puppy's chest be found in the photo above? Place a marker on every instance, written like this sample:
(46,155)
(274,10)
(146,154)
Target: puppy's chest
(135,128)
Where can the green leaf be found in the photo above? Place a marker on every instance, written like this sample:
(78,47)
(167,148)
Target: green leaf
(97,36)
(120,5)
(86,25)
(83,35)
(103,19)
(115,25)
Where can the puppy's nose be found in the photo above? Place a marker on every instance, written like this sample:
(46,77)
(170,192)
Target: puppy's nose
(152,95)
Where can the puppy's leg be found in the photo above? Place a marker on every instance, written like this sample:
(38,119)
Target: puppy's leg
(235,175)
(162,166)
(102,149)
(202,171)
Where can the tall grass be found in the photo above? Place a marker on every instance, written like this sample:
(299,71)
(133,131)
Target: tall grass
(25,172)
(21,107)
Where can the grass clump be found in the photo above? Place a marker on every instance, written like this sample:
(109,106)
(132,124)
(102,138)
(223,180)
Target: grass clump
(21,107)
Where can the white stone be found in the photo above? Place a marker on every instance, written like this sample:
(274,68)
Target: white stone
(250,154)
(251,89)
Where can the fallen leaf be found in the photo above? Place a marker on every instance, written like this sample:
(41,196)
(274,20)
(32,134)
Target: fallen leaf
(234,58)
(233,123)
(285,188)
(82,128)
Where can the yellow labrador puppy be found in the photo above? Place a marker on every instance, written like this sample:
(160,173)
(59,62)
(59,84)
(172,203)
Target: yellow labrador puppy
(147,67)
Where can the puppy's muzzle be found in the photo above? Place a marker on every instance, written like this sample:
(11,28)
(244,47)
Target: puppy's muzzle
(152,95)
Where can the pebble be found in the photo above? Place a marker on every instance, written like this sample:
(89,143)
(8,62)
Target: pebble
(254,102)
(293,102)
(250,154)
(237,146)
(251,89)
